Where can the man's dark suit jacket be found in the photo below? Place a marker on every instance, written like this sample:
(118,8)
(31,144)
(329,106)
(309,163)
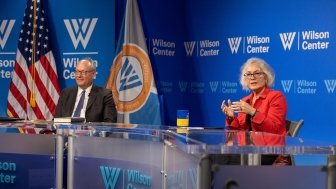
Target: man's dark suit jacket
(100,106)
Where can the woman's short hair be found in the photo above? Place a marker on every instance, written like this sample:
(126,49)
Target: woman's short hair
(264,67)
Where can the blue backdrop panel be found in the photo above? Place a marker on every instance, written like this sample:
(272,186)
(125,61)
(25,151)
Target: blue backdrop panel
(95,38)
(197,47)
(82,29)
(211,41)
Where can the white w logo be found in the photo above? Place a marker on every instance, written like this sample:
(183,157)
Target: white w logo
(330,84)
(189,47)
(287,39)
(234,44)
(5,29)
(129,77)
(193,177)
(79,28)
(183,86)
(213,85)
(286,85)
(110,176)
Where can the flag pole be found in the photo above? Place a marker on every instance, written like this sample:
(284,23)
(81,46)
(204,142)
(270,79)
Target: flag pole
(32,94)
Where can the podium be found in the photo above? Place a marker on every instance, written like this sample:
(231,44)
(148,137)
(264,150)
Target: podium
(316,171)
(27,159)
(129,156)
(100,155)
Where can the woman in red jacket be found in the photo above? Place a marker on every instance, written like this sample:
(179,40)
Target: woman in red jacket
(264,109)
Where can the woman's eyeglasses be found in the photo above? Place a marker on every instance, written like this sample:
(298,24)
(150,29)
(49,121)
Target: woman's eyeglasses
(255,75)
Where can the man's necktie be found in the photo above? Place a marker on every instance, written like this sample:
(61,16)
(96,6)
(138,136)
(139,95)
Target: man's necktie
(79,105)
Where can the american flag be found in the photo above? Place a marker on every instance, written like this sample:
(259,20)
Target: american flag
(34,89)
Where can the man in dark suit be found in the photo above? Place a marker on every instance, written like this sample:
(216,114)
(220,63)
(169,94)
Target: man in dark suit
(87,100)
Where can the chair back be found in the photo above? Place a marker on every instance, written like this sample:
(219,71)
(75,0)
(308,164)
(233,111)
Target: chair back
(293,127)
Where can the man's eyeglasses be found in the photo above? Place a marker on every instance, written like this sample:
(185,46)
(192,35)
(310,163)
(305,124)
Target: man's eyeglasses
(255,75)
(77,72)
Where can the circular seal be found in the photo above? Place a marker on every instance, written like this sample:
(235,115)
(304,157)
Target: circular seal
(132,78)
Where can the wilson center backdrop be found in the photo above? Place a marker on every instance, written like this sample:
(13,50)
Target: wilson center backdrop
(196,49)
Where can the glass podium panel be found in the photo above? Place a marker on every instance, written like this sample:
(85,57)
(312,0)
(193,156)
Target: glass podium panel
(130,156)
(227,144)
(183,165)
(26,160)
(242,142)
(111,157)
